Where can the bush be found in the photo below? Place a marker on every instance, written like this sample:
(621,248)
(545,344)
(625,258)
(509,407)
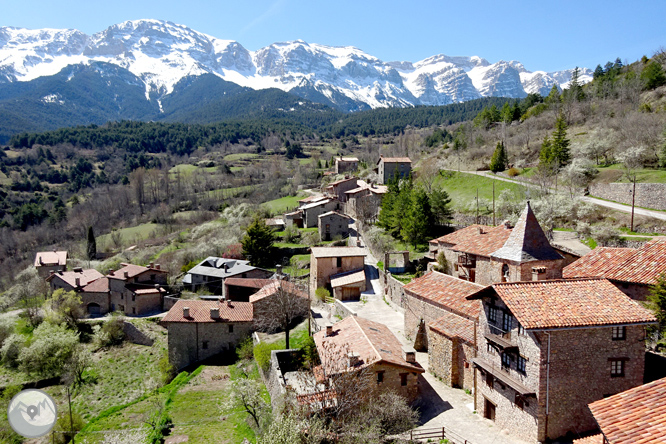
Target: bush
(310,356)
(513,172)
(111,333)
(11,349)
(262,354)
(245,349)
(322,294)
(291,235)
(64,426)
(51,349)
(167,371)
(6,328)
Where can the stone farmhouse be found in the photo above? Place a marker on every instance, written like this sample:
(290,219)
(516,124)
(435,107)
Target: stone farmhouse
(333,225)
(360,345)
(340,269)
(631,417)
(312,211)
(338,188)
(345,164)
(487,255)
(46,261)
(537,340)
(632,270)
(136,290)
(388,166)
(293,218)
(363,202)
(199,330)
(73,280)
(213,271)
(441,320)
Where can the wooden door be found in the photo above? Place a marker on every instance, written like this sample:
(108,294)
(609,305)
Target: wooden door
(489,410)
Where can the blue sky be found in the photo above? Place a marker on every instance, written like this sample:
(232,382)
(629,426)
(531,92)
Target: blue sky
(546,36)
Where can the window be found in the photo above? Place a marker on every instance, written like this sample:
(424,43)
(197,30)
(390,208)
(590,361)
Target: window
(619,333)
(491,349)
(492,314)
(490,381)
(507,321)
(505,273)
(519,401)
(204,345)
(522,365)
(122,296)
(403,379)
(338,262)
(521,329)
(617,368)
(506,361)
(133,297)
(133,310)
(380,377)
(231,328)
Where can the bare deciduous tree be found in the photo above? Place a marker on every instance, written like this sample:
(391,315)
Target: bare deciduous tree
(282,304)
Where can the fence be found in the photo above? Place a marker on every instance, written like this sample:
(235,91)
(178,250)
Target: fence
(437,433)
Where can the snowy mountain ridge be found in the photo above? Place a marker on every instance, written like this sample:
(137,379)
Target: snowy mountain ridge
(162,53)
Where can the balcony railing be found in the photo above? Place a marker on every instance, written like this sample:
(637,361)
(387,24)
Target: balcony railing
(500,337)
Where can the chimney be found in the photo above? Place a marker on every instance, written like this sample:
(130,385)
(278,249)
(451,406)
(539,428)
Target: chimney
(215,313)
(51,272)
(410,354)
(186,312)
(126,274)
(41,262)
(480,230)
(229,303)
(507,223)
(226,267)
(538,273)
(77,281)
(329,330)
(158,267)
(354,359)
(278,270)
(111,271)
(151,265)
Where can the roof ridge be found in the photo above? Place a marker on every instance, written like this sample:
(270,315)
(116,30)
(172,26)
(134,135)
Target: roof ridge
(367,338)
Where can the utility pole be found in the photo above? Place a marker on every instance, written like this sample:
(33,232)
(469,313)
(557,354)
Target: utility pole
(493,202)
(71,420)
(633,202)
(477,205)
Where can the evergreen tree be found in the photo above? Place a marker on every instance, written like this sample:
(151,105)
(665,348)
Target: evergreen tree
(560,145)
(546,153)
(553,96)
(419,219)
(92,245)
(598,72)
(258,243)
(653,76)
(439,203)
(500,160)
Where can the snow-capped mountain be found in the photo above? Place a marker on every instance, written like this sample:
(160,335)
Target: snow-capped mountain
(161,54)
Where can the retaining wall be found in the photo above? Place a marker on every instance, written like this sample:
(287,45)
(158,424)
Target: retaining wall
(648,195)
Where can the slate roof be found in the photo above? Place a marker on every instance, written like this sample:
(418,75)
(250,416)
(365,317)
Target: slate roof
(200,312)
(338,182)
(645,266)
(484,243)
(373,342)
(338,251)
(85,277)
(347,278)
(50,258)
(100,285)
(564,303)
(527,241)
(272,288)
(453,326)
(594,439)
(214,267)
(447,292)
(598,263)
(331,213)
(637,416)
(132,271)
(313,198)
(315,204)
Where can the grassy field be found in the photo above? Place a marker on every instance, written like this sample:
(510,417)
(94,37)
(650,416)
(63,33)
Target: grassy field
(186,169)
(4,180)
(615,173)
(225,193)
(131,234)
(279,206)
(462,188)
(240,156)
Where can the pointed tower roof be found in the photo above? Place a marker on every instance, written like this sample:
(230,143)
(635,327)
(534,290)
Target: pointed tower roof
(527,242)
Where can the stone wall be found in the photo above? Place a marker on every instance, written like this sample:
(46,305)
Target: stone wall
(648,195)
(274,376)
(136,336)
(340,309)
(392,380)
(169,301)
(394,290)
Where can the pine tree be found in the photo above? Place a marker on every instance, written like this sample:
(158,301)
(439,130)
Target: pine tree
(258,243)
(553,96)
(653,76)
(499,161)
(546,153)
(92,245)
(419,219)
(560,144)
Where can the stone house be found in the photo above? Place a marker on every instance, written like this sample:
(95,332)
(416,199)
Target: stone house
(332,225)
(96,297)
(73,280)
(263,300)
(213,271)
(136,290)
(387,167)
(199,330)
(632,270)
(364,201)
(360,345)
(46,261)
(633,416)
(294,218)
(348,285)
(547,349)
(312,211)
(345,164)
(327,262)
(338,188)
(440,319)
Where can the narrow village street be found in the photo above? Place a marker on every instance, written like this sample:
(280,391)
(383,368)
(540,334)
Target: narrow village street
(440,405)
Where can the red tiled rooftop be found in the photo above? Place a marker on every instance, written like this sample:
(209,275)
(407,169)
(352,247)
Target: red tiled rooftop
(44,258)
(637,416)
(569,303)
(132,271)
(85,277)
(598,262)
(484,243)
(273,287)
(645,266)
(200,312)
(461,235)
(594,439)
(247,282)
(100,285)
(396,159)
(453,326)
(447,292)
(372,341)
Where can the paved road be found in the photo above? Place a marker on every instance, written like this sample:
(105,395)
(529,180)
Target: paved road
(613,205)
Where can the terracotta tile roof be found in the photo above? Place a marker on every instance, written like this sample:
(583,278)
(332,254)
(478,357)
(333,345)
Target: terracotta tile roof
(100,285)
(338,182)
(527,241)
(461,235)
(594,439)
(272,288)
(645,266)
(144,289)
(200,312)
(371,341)
(44,258)
(453,326)
(338,251)
(84,276)
(331,213)
(247,282)
(347,278)
(598,262)
(485,243)
(637,416)
(132,271)
(563,303)
(310,199)
(447,292)
(395,160)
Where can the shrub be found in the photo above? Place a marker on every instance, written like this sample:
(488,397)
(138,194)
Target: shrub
(6,328)
(262,354)
(111,333)
(310,355)
(64,306)
(11,349)
(245,349)
(64,426)
(442,264)
(513,172)
(167,371)
(51,348)
(322,294)
(291,235)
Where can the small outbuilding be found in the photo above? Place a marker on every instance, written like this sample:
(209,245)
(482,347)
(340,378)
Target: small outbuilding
(332,225)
